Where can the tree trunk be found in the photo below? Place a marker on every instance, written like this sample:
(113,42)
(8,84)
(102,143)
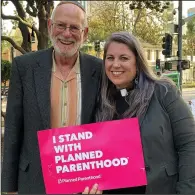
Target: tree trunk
(43,37)
(26,44)
(44,12)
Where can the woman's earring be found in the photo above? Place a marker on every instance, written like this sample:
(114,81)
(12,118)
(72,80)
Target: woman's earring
(136,81)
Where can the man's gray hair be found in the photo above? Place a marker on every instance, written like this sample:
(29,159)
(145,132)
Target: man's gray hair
(75,3)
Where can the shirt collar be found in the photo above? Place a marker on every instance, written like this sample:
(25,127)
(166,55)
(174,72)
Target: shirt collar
(76,66)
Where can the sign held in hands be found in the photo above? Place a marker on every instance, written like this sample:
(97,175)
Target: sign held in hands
(108,153)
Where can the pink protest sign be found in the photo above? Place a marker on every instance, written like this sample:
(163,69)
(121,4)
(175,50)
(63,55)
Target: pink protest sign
(107,153)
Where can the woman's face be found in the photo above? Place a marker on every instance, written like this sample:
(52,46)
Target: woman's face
(120,65)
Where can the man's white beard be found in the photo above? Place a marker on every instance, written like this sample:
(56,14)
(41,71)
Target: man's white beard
(67,53)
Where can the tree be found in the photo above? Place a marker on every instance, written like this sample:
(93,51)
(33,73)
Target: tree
(148,27)
(158,6)
(105,18)
(5,76)
(40,9)
(5,71)
(141,18)
(189,39)
(4,44)
(148,7)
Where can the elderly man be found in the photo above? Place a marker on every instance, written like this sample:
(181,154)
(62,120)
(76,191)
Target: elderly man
(48,89)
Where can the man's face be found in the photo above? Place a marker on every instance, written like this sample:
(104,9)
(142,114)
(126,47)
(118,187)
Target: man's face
(66,30)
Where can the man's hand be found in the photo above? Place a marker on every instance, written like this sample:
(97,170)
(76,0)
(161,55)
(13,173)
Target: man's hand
(94,190)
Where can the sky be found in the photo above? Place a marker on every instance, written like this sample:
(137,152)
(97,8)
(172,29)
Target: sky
(9,10)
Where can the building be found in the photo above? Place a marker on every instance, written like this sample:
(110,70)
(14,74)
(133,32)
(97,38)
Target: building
(191,11)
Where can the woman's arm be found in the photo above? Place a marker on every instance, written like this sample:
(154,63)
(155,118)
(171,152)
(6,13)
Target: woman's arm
(183,126)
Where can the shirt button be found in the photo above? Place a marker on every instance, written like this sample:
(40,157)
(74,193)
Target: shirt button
(65,104)
(65,86)
(64,124)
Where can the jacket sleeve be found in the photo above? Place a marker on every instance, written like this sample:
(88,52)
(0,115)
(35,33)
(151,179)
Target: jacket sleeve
(183,126)
(13,132)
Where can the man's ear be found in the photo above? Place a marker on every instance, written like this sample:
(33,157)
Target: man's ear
(49,24)
(85,34)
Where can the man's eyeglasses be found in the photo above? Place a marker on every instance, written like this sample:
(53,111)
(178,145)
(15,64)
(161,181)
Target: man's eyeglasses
(72,28)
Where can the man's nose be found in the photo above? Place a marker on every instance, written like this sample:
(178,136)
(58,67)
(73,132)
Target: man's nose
(67,31)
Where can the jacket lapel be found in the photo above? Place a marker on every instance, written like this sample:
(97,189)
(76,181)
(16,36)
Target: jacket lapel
(88,87)
(144,114)
(42,76)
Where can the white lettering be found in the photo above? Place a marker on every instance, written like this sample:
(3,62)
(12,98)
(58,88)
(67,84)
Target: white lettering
(116,162)
(67,148)
(79,167)
(58,169)
(54,139)
(61,139)
(88,165)
(70,158)
(57,159)
(59,149)
(107,163)
(124,161)
(72,167)
(65,169)
(75,137)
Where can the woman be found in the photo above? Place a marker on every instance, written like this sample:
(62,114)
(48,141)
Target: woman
(129,89)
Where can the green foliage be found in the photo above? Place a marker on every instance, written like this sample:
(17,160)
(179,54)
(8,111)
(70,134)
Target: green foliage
(158,6)
(107,17)
(145,21)
(28,19)
(189,39)
(149,25)
(148,28)
(5,70)
(29,12)
(86,48)
(4,44)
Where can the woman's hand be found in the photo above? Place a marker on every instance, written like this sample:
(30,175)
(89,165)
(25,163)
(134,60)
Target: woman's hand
(94,190)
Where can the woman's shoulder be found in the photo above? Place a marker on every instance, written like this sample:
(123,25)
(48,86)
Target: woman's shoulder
(166,90)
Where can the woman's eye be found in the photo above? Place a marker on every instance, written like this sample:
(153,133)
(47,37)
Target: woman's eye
(109,58)
(124,58)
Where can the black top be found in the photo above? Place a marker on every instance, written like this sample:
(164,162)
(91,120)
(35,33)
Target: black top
(121,107)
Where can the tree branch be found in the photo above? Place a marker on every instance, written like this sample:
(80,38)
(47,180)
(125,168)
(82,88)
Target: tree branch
(136,21)
(14,44)
(49,7)
(32,13)
(5,17)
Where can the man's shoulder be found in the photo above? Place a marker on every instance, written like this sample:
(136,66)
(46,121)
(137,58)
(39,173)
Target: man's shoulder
(31,56)
(92,58)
